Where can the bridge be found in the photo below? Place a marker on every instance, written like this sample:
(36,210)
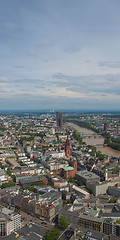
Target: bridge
(91,136)
(97,145)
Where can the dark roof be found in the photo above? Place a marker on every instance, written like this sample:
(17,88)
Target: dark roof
(110,215)
(94,235)
(52,196)
(28,233)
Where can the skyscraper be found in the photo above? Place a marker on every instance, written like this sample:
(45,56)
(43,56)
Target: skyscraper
(105,128)
(59,119)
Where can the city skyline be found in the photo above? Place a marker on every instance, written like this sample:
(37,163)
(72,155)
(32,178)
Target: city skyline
(59,55)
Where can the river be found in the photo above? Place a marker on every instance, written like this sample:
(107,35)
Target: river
(92,138)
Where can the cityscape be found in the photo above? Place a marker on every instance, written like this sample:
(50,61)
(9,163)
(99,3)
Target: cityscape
(60,175)
(60,120)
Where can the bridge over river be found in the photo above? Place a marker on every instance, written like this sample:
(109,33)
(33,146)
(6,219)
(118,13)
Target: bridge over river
(90,137)
(94,139)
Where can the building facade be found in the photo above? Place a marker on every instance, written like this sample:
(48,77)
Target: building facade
(59,119)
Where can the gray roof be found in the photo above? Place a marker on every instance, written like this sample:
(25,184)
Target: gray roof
(94,235)
(91,218)
(90,214)
(51,196)
(87,175)
(28,233)
(111,215)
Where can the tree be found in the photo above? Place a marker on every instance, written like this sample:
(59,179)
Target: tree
(79,183)
(52,234)
(71,180)
(30,188)
(62,223)
(9,184)
(112,200)
(64,203)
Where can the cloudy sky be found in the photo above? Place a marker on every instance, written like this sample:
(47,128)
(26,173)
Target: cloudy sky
(60,54)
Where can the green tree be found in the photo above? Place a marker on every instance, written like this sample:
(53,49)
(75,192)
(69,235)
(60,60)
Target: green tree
(71,180)
(9,184)
(62,223)
(112,200)
(114,170)
(52,234)
(30,188)
(101,211)
(64,203)
(79,183)
(9,173)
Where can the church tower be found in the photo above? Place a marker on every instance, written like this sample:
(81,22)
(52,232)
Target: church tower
(67,147)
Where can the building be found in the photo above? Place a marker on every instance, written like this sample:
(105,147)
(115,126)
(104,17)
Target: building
(110,227)
(3,227)
(43,189)
(105,128)
(86,176)
(57,154)
(25,201)
(67,147)
(68,172)
(73,163)
(59,119)
(90,221)
(48,205)
(45,205)
(10,221)
(81,192)
(4,178)
(52,131)
(114,191)
(30,179)
(58,182)
(70,215)
(94,235)
(97,188)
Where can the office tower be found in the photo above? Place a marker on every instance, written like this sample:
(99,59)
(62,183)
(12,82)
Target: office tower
(105,128)
(59,119)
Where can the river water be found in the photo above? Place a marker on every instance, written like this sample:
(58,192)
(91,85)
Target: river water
(90,139)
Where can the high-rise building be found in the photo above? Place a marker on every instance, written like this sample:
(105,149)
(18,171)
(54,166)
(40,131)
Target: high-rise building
(105,128)
(59,119)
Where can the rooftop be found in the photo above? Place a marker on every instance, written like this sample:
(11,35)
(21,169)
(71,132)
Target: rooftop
(87,174)
(69,168)
(94,234)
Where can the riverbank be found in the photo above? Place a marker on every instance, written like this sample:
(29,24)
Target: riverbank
(84,132)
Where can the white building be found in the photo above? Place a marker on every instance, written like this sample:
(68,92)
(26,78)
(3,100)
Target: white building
(9,221)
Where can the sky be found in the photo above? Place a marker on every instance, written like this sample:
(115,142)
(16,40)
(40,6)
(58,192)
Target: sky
(59,54)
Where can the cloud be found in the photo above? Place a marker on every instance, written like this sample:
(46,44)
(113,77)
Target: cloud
(110,64)
(3,80)
(21,67)
(72,49)
(24,53)
(107,83)
(88,60)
